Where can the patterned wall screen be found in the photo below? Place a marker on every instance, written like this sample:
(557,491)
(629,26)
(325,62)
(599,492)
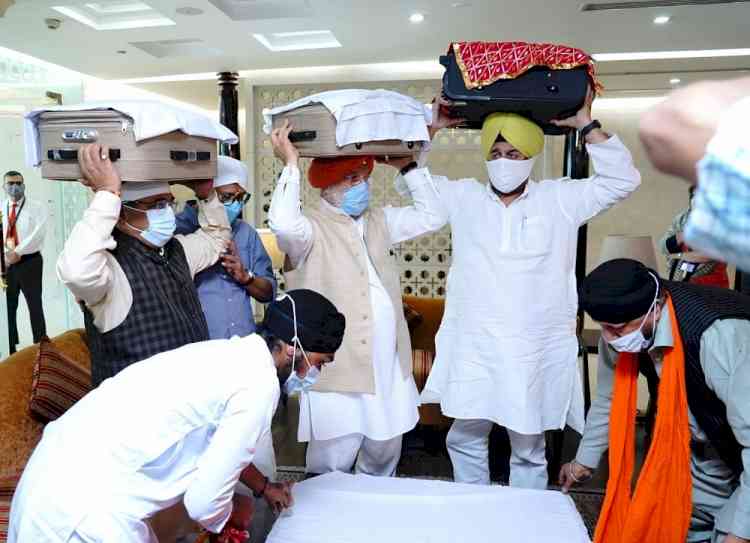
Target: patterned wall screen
(424,261)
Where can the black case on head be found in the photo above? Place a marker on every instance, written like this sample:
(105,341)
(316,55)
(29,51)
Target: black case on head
(541,94)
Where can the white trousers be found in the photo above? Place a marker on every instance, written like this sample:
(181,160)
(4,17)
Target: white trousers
(354,451)
(103,528)
(468,447)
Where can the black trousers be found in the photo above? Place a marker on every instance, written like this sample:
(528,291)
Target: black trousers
(26,276)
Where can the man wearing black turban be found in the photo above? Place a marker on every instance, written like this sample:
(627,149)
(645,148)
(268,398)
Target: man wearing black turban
(643,314)
(182,426)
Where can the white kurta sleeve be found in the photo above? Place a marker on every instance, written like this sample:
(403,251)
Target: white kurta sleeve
(615,178)
(204,246)
(595,439)
(426,213)
(247,417)
(32,242)
(83,265)
(294,233)
(723,356)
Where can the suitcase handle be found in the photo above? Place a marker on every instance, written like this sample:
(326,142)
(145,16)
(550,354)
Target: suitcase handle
(303,135)
(190,156)
(61,155)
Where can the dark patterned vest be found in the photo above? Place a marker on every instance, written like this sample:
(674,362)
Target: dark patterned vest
(166,312)
(697,307)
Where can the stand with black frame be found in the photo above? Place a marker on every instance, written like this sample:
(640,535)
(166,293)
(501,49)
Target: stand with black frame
(575,166)
(3,283)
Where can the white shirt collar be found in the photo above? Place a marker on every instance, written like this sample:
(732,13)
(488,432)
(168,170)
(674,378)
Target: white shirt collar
(494,196)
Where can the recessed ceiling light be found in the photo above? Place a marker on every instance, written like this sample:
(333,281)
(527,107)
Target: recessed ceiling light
(416,18)
(298,41)
(675,81)
(189,11)
(662,19)
(668,55)
(122,52)
(117,15)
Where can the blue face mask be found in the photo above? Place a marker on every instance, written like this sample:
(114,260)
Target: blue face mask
(356,199)
(161,225)
(234,209)
(295,384)
(15,191)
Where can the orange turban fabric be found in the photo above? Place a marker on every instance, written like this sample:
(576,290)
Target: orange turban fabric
(325,172)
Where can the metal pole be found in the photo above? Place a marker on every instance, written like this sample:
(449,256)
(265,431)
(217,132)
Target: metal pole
(229,109)
(576,166)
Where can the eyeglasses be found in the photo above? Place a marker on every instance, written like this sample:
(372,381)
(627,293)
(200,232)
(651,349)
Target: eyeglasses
(227,197)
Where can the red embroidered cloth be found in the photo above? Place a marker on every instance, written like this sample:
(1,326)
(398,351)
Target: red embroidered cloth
(483,63)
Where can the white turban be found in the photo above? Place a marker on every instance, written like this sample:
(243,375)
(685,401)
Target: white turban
(230,170)
(134,191)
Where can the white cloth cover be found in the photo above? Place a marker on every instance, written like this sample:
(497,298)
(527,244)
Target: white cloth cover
(150,119)
(363,509)
(366,115)
(230,170)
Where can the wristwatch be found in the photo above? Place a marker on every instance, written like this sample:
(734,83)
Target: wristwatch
(409,167)
(589,127)
(250,279)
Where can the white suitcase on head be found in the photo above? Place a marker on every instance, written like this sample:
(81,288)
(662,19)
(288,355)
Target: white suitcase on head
(175,156)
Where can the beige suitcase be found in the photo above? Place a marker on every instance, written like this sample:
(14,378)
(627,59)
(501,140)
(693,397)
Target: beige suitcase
(175,156)
(314,135)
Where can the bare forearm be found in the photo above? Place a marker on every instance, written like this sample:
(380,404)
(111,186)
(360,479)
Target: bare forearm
(261,289)
(676,131)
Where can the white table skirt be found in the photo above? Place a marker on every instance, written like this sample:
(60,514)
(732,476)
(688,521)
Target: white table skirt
(342,508)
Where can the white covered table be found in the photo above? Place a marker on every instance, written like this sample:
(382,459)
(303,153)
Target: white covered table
(342,508)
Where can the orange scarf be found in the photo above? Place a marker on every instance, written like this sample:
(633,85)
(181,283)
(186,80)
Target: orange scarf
(659,510)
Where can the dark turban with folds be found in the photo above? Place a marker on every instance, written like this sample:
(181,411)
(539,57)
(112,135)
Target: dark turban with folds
(320,326)
(618,291)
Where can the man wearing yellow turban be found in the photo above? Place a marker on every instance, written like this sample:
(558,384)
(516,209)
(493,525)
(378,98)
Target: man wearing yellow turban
(506,351)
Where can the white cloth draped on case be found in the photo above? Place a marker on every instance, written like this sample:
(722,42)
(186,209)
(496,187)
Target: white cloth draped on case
(344,508)
(366,115)
(150,119)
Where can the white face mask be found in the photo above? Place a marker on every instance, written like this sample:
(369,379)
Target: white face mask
(635,341)
(506,175)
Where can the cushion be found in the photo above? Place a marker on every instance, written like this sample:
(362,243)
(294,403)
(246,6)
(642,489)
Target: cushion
(421,366)
(58,382)
(413,317)
(7,487)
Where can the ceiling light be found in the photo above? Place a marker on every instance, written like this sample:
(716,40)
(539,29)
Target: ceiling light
(662,19)
(669,55)
(122,52)
(416,18)
(298,41)
(115,15)
(461,4)
(189,11)
(675,81)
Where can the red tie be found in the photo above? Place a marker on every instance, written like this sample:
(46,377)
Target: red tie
(12,233)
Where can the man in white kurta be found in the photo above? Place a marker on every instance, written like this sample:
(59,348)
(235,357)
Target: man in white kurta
(181,425)
(506,351)
(345,427)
